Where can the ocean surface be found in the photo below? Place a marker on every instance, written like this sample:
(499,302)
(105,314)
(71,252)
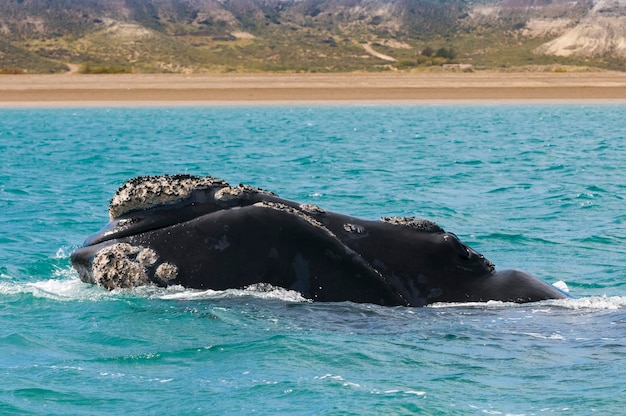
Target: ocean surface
(536,187)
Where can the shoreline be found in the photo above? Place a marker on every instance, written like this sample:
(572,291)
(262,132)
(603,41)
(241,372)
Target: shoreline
(294,89)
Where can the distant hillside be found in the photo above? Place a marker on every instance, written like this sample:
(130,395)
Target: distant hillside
(308,35)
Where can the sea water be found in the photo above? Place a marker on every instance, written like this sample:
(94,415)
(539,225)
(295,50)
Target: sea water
(535,187)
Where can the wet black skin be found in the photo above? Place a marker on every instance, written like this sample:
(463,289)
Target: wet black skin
(325,256)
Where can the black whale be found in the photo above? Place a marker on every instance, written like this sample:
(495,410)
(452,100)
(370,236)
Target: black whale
(202,233)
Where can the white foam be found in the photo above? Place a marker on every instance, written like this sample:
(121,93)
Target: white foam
(57,289)
(68,289)
(553,336)
(561,285)
(588,303)
(255,291)
(64,285)
(329,376)
(591,303)
(8,288)
(415,392)
(495,304)
(63,252)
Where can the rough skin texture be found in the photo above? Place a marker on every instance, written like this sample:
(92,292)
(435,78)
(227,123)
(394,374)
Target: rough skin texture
(148,191)
(415,223)
(123,265)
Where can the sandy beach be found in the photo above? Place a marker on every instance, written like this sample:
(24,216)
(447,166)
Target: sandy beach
(173,89)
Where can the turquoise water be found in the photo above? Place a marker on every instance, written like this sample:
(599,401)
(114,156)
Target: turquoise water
(535,187)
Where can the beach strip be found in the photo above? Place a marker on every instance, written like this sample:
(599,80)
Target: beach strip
(76,89)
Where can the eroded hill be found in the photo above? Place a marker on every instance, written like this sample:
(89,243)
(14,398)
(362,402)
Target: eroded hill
(308,35)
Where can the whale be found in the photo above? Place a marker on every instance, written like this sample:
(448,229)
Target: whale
(203,233)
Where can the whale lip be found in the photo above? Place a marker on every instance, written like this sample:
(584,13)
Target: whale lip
(137,222)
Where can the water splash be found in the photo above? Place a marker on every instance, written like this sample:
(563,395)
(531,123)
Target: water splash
(64,285)
(258,291)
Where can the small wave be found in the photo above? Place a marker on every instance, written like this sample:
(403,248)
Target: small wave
(339,380)
(516,238)
(554,336)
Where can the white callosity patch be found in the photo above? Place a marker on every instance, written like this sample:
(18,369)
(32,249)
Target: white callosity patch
(300,214)
(167,272)
(147,257)
(148,191)
(123,265)
(354,228)
(312,209)
(230,193)
(415,223)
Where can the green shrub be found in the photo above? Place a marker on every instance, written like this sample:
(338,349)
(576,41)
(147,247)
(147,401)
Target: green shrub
(445,53)
(11,71)
(111,69)
(406,63)
(428,51)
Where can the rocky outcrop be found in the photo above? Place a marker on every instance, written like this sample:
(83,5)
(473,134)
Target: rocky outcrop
(601,32)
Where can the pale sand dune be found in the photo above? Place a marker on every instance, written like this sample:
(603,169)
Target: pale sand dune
(48,90)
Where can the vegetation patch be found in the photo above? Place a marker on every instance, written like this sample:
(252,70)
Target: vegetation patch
(288,36)
(96,69)
(11,71)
